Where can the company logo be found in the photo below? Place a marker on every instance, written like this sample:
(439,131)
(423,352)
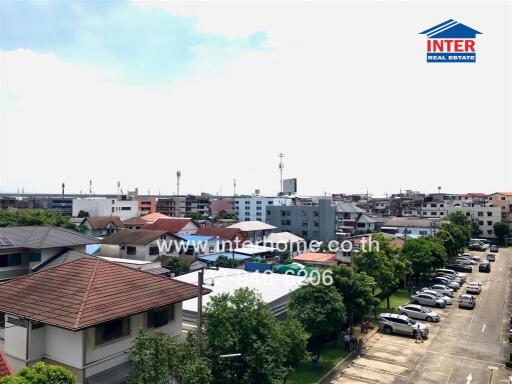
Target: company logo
(451,42)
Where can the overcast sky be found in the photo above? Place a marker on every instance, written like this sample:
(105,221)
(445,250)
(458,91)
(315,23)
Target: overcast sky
(133,91)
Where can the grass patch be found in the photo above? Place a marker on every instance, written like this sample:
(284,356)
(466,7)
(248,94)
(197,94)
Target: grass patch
(329,357)
(400,297)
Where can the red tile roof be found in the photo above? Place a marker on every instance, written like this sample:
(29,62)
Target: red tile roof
(134,221)
(169,225)
(154,217)
(5,367)
(89,291)
(229,234)
(320,258)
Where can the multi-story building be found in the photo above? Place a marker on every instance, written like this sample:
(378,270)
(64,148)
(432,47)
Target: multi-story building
(122,207)
(434,209)
(504,201)
(147,204)
(253,208)
(199,205)
(311,222)
(173,206)
(485,215)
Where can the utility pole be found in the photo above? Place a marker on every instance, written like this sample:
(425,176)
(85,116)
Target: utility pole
(200,282)
(178,177)
(234,187)
(281,166)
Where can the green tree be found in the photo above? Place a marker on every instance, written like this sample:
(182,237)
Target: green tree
(225,216)
(178,266)
(424,253)
(320,310)
(460,235)
(242,323)
(501,230)
(294,340)
(227,262)
(459,218)
(41,373)
(83,213)
(475,229)
(157,358)
(35,217)
(194,216)
(356,290)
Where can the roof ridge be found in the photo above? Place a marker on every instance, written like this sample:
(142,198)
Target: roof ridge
(86,295)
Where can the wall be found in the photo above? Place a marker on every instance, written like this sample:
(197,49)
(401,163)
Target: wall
(257,206)
(107,207)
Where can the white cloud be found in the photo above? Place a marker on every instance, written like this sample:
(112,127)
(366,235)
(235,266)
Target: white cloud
(351,106)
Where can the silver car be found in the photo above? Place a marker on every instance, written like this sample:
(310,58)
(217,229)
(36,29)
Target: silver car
(415,311)
(465,261)
(428,299)
(467,301)
(447,299)
(443,289)
(392,323)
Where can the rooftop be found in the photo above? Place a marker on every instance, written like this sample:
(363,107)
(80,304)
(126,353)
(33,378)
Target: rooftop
(169,224)
(250,226)
(318,258)
(283,238)
(89,291)
(101,222)
(151,217)
(410,222)
(132,237)
(39,237)
(222,233)
(134,221)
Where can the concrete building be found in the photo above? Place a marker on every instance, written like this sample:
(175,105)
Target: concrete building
(413,227)
(485,215)
(123,208)
(23,249)
(84,315)
(504,201)
(253,208)
(311,222)
(433,209)
(171,206)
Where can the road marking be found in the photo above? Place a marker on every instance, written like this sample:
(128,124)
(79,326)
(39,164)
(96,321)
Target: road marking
(464,358)
(469,379)
(483,327)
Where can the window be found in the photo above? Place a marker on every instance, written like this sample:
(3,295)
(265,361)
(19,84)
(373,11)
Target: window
(269,213)
(489,232)
(126,208)
(258,213)
(270,202)
(441,205)
(11,260)
(489,222)
(247,202)
(433,205)
(480,222)
(2,320)
(441,213)
(502,197)
(112,209)
(432,213)
(34,257)
(480,214)
(247,208)
(489,214)
(131,250)
(286,222)
(159,317)
(468,214)
(112,330)
(258,202)
(153,251)
(424,213)
(258,208)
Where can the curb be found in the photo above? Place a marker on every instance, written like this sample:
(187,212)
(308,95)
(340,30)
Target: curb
(330,375)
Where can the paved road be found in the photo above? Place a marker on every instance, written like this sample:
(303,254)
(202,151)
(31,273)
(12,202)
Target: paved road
(466,346)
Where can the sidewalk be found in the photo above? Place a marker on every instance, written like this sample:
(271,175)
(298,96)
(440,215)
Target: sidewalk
(330,376)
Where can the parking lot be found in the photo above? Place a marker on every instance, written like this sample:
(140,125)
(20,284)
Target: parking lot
(466,346)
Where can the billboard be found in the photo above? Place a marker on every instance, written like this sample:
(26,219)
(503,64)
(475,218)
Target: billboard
(289,186)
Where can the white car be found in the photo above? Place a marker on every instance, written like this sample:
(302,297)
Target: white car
(415,311)
(429,299)
(442,289)
(392,323)
(473,287)
(465,261)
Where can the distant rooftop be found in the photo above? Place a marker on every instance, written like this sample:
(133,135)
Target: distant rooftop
(39,237)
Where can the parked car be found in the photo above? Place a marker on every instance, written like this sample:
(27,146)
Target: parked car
(475,258)
(473,287)
(447,299)
(392,323)
(491,257)
(452,272)
(445,281)
(460,267)
(476,247)
(485,266)
(443,289)
(494,248)
(428,299)
(415,311)
(467,301)
(465,261)
(457,279)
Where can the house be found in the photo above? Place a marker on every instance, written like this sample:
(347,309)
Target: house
(196,245)
(23,248)
(411,226)
(229,236)
(134,223)
(122,207)
(175,225)
(275,289)
(253,208)
(99,226)
(285,241)
(254,231)
(316,221)
(138,244)
(84,314)
(5,366)
(316,259)
(152,217)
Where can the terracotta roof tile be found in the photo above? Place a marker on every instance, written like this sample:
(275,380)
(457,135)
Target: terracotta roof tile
(151,217)
(89,291)
(134,221)
(325,258)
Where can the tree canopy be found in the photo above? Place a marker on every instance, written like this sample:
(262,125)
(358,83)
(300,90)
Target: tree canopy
(424,253)
(35,217)
(242,323)
(501,230)
(41,373)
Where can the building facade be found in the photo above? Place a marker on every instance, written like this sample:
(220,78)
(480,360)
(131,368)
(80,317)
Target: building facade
(122,208)
(253,208)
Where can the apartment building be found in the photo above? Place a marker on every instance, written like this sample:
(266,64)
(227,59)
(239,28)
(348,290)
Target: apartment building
(253,208)
(485,215)
(504,201)
(311,222)
(121,207)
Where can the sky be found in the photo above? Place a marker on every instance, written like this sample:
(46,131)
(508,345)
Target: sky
(132,91)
